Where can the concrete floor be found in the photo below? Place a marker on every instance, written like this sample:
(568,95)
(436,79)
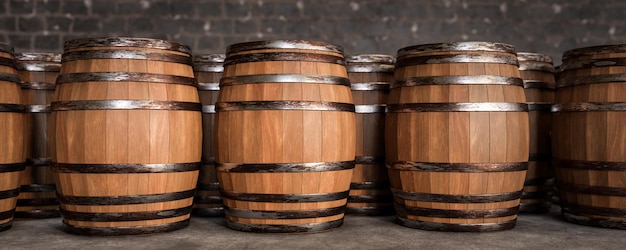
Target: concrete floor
(545,231)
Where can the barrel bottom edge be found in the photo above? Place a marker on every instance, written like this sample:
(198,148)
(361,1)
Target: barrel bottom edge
(208,212)
(593,222)
(370,211)
(446,227)
(6,226)
(274,228)
(37,214)
(120,231)
(537,208)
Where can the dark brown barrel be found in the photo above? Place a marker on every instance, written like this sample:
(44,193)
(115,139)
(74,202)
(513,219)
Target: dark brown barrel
(38,73)
(589,136)
(12,123)
(537,72)
(457,136)
(128,136)
(370,77)
(208,71)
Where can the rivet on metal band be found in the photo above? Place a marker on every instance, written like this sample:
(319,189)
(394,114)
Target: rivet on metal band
(457,198)
(285,167)
(369,68)
(209,86)
(284,78)
(589,107)
(37,108)
(270,228)
(120,231)
(367,86)
(147,43)
(284,105)
(458,46)
(458,167)
(594,79)
(448,227)
(125,216)
(590,221)
(125,168)
(369,109)
(370,160)
(457,58)
(125,105)
(12,167)
(460,80)
(590,190)
(125,77)
(7,77)
(284,198)
(208,109)
(283,44)
(38,86)
(370,185)
(125,54)
(536,66)
(456,214)
(36,162)
(458,107)
(534,84)
(6,194)
(539,106)
(124,200)
(284,214)
(36,188)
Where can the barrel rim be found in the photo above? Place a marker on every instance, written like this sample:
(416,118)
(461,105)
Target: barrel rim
(371,58)
(534,57)
(458,46)
(38,56)
(125,54)
(148,43)
(8,48)
(592,50)
(209,58)
(283,44)
(437,226)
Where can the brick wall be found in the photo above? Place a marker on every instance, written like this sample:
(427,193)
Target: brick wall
(360,26)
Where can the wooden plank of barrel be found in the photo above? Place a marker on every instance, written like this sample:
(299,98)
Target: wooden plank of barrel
(589,136)
(537,72)
(12,124)
(457,136)
(285,136)
(128,136)
(370,77)
(38,73)
(208,70)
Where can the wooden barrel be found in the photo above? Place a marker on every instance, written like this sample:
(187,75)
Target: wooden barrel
(38,72)
(208,71)
(589,136)
(537,72)
(370,76)
(12,124)
(285,136)
(128,136)
(457,136)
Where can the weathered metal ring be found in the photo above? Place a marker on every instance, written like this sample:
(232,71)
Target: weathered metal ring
(460,80)
(596,222)
(458,46)
(270,228)
(404,211)
(457,198)
(370,185)
(125,216)
(125,105)
(44,108)
(369,160)
(125,77)
(39,162)
(125,200)
(369,109)
(37,188)
(147,43)
(458,167)
(284,78)
(8,77)
(436,226)
(284,198)
(458,107)
(589,107)
(593,79)
(285,167)
(209,86)
(283,44)
(208,109)
(284,214)
(284,105)
(6,194)
(368,86)
(457,58)
(120,231)
(38,86)
(123,168)
(12,167)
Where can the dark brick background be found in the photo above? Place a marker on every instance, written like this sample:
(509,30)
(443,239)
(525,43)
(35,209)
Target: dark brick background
(360,26)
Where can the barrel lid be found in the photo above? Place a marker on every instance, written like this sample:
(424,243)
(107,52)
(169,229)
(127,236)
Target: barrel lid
(215,58)
(44,57)
(371,58)
(6,48)
(126,42)
(534,57)
(458,46)
(592,50)
(284,44)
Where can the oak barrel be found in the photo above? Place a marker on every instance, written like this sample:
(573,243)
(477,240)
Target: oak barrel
(128,136)
(537,72)
(457,136)
(12,132)
(208,70)
(285,136)
(589,136)
(370,77)
(38,73)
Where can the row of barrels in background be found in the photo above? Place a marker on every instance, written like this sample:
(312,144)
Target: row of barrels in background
(463,123)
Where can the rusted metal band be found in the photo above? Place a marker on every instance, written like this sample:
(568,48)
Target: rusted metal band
(38,188)
(125,54)
(458,46)
(285,167)
(7,48)
(147,43)
(594,50)
(284,105)
(38,57)
(37,202)
(12,167)
(284,78)
(8,77)
(39,162)
(458,107)
(369,109)
(207,200)
(125,77)
(125,216)
(208,160)
(457,198)
(540,106)
(45,108)
(209,58)
(369,198)
(208,109)
(369,185)
(12,108)
(372,59)
(591,165)
(457,58)
(283,44)
(7,214)
(447,227)
(590,190)
(534,84)
(369,86)
(458,80)
(125,105)
(536,66)
(38,86)
(6,194)
(209,86)
(534,57)
(589,107)
(540,157)
(404,211)
(213,186)
(284,214)
(120,231)
(38,214)
(123,168)
(284,56)
(125,200)
(539,181)
(595,222)
(374,210)
(293,228)
(594,79)
(369,68)
(7,62)
(284,198)
(458,167)
(370,160)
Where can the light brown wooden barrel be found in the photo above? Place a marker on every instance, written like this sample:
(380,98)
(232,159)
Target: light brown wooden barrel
(537,72)
(208,70)
(38,73)
(370,77)
(128,136)
(589,136)
(285,136)
(12,124)
(457,136)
